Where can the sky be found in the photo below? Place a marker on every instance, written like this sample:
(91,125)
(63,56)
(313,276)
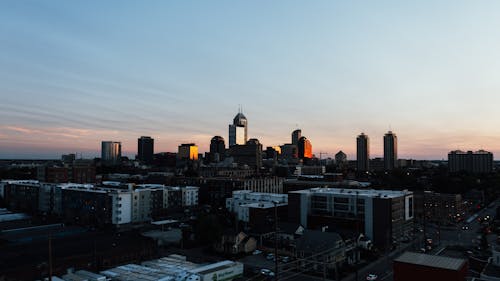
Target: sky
(74,73)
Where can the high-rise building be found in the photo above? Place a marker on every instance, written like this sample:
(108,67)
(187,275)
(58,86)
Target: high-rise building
(478,162)
(341,159)
(145,149)
(305,148)
(111,152)
(390,151)
(296,135)
(363,153)
(238,131)
(188,151)
(217,149)
(249,154)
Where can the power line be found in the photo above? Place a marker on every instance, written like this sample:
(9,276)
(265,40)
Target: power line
(306,259)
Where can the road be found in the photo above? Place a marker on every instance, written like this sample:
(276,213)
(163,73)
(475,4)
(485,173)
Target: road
(446,236)
(442,237)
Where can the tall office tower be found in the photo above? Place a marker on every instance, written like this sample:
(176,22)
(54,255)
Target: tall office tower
(305,148)
(217,149)
(238,131)
(111,152)
(390,151)
(188,151)
(363,153)
(296,136)
(145,149)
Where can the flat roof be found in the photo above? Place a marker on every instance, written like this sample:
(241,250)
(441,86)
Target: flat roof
(431,261)
(263,205)
(164,222)
(358,192)
(213,267)
(4,217)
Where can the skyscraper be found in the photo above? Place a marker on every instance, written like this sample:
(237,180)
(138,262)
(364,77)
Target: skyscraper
(238,131)
(187,151)
(145,149)
(390,151)
(296,136)
(217,149)
(111,152)
(305,148)
(363,153)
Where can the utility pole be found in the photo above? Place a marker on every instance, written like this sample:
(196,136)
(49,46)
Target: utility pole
(50,257)
(275,240)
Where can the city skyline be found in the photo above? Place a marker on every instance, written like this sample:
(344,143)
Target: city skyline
(75,74)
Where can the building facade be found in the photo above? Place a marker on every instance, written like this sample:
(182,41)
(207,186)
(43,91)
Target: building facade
(249,154)
(217,149)
(188,151)
(238,131)
(384,216)
(479,162)
(305,148)
(296,135)
(390,151)
(363,153)
(111,152)
(145,149)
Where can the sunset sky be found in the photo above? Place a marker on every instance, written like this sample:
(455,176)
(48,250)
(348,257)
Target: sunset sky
(74,73)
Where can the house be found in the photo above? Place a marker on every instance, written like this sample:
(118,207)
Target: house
(235,243)
(324,252)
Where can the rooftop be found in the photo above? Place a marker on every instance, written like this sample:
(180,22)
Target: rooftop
(431,261)
(358,192)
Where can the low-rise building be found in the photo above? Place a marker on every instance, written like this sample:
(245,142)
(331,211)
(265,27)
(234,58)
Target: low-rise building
(442,208)
(324,252)
(175,267)
(416,267)
(235,243)
(257,208)
(384,216)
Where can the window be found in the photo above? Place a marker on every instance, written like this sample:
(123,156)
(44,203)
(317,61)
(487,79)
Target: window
(342,200)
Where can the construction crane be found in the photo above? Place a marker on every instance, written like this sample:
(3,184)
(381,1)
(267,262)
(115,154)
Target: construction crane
(323,153)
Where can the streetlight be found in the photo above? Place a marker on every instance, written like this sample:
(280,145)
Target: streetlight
(275,239)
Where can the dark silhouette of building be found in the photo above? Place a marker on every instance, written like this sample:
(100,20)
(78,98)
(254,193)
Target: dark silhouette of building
(145,149)
(479,162)
(390,151)
(289,152)
(296,135)
(304,148)
(363,153)
(341,160)
(217,149)
(249,154)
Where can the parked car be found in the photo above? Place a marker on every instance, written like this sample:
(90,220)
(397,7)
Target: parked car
(270,256)
(285,259)
(371,277)
(266,272)
(257,252)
